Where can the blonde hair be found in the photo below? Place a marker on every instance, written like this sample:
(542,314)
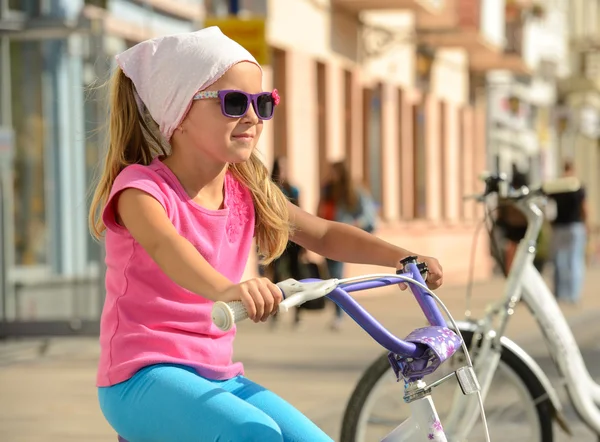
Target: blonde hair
(134,139)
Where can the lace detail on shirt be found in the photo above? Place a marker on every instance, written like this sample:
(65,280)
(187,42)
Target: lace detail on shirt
(239,209)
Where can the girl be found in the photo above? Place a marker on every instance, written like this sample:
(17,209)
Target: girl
(179,223)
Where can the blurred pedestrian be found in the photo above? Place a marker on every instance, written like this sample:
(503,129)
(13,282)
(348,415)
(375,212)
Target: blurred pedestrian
(570,231)
(289,264)
(343,201)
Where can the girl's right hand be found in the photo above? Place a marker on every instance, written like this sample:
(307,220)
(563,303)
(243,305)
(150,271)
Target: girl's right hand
(260,297)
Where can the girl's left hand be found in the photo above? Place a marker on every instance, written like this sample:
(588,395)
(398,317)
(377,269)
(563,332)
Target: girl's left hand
(435,274)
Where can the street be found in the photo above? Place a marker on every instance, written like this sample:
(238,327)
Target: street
(52,398)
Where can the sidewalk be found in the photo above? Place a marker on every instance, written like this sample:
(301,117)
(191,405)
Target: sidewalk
(52,398)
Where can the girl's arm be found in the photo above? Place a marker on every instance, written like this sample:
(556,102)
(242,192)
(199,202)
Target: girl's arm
(146,220)
(345,243)
(342,242)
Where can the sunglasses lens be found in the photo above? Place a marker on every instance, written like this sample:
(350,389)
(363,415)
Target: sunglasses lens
(235,104)
(265,106)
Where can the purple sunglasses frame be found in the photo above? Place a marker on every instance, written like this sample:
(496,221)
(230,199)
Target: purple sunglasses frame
(252,98)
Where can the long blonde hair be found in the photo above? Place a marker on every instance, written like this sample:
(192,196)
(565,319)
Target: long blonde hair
(134,139)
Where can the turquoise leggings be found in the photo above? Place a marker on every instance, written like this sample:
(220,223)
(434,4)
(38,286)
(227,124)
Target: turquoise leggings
(172,403)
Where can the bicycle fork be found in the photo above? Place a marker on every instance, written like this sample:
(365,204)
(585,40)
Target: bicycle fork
(424,423)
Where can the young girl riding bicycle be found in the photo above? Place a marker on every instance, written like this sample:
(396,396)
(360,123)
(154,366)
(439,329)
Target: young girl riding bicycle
(181,198)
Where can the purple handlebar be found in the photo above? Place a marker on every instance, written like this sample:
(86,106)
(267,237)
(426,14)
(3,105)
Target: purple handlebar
(387,340)
(425,300)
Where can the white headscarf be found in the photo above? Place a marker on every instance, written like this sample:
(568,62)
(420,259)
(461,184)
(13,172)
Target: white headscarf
(168,71)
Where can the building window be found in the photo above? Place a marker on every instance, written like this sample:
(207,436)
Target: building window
(322,120)
(463,173)
(401,158)
(280,117)
(98,3)
(17,5)
(31,232)
(95,144)
(372,134)
(444,158)
(420,163)
(31,8)
(348,110)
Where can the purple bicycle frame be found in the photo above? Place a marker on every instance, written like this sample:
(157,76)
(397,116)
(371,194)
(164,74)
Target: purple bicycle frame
(383,337)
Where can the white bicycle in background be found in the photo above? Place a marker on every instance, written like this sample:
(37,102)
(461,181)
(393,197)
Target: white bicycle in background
(420,354)
(505,371)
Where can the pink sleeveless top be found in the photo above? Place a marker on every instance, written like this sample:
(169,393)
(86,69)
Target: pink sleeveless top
(147,318)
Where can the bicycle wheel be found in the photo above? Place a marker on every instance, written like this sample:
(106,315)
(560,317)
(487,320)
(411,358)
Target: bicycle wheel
(373,412)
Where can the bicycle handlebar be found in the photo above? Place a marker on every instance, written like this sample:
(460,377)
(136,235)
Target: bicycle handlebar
(224,315)
(496,184)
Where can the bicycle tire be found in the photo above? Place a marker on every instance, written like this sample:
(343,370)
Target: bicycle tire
(381,365)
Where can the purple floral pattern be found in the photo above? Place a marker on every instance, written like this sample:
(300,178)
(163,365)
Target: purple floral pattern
(442,341)
(440,344)
(239,203)
(436,431)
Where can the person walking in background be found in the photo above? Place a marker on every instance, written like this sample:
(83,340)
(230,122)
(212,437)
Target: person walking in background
(570,229)
(343,201)
(288,265)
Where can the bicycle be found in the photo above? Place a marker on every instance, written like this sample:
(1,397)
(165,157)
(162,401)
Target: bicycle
(421,353)
(494,354)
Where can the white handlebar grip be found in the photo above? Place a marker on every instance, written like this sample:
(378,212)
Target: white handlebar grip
(226,314)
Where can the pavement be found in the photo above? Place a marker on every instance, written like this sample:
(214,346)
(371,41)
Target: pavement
(47,386)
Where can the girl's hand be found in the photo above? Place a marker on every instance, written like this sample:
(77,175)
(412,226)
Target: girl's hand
(260,297)
(434,276)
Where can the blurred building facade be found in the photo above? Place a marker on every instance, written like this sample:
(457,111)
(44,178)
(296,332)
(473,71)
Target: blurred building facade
(550,113)
(55,56)
(521,105)
(397,88)
(578,110)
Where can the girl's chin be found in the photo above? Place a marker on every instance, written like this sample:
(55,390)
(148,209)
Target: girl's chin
(240,155)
